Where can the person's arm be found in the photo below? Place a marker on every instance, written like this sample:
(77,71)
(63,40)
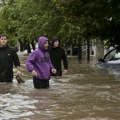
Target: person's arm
(18,70)
(16,61)
(65,62)
(29,63)
(53,70)
(15,58)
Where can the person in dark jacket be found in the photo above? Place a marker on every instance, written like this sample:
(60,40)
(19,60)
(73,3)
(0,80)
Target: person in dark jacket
(57,56)
(8,58)
(39,64)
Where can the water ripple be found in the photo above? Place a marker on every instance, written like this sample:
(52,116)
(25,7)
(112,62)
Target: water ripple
(15,106)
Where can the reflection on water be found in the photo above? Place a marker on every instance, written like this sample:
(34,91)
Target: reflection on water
(91,94)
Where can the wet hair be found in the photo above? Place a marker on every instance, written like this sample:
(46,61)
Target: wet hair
(55,39)
(3,35)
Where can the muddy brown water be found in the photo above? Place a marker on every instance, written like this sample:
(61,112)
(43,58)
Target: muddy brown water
(86,93)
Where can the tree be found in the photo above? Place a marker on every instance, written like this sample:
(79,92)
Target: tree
(69,20)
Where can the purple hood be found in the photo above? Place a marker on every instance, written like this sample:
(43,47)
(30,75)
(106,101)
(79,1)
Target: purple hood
(41,41)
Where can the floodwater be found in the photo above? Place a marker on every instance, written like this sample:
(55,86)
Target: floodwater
(86,93)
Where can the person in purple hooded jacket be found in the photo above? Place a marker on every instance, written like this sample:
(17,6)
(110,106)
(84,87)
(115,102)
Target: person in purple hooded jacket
(39,64)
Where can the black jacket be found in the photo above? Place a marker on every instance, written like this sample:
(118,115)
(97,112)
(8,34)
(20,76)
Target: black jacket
(57,55)
(8,58)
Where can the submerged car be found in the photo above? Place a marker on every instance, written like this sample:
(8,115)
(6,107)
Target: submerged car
(111,60)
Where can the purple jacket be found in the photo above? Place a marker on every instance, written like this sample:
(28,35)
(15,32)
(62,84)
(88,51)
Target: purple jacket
(39,60)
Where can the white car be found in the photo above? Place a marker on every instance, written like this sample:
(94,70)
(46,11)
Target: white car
(110,60)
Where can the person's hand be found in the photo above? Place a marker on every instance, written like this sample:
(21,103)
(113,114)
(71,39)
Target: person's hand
(34,73)
(65,71)
(18,72)
(54,70)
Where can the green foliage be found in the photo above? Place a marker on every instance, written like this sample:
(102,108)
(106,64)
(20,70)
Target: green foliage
(69,20)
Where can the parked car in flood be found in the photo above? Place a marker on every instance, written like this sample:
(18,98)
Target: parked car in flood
(111,60)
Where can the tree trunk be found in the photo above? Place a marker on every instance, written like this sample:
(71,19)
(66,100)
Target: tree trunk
(33,45)
(28,48)
(79,51)
(88,50)
(21,46)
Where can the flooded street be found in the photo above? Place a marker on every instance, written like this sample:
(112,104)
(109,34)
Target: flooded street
(86,93)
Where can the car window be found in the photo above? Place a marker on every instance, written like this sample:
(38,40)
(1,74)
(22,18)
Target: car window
(117,56)
(110,55)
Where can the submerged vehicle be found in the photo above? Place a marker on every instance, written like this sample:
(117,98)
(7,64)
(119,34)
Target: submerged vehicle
(111,60)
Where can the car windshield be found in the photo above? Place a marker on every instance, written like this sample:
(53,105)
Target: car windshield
(110,55)
(117,55)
